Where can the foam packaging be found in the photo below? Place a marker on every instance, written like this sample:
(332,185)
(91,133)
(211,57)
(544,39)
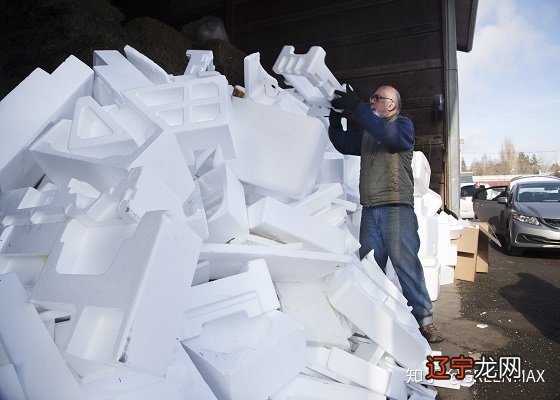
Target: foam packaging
(242,358)
(308,74)
(274,142)
(124,288)
(50,97)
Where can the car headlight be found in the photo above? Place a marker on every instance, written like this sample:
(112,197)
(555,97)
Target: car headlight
(525,219)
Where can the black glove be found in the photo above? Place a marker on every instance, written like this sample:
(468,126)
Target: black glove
(335,119)
(346,100)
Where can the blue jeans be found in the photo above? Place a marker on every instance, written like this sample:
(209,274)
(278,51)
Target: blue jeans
(392,231)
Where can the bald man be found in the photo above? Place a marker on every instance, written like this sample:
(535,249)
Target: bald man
(389,226)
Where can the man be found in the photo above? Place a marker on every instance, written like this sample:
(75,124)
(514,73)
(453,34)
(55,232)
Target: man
(389,225)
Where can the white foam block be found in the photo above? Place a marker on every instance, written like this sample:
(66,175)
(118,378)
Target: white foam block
(308,74)
(95,132)
(311,388)
(272,218)
(428,234)
(447,275)
(144,64)
(284,264)
(421,172)
(379,323)
(182,382)
(113,75)
(198,111)
(264,89)
(141,192)
(250,292)
(41,370)
(432,271)
(322,196)
(359,371)
(51,153)
(317,361)
(332,168)
(50,97)
(10,387)
(24,249)
(273,142)
(126,287)
(367,350)
(248,359)
(224,201)
(308,304)
(195,213)
(200,61)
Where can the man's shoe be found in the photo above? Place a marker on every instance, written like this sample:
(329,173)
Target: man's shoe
(431,333)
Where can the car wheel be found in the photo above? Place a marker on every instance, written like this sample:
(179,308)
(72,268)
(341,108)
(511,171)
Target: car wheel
(509,243)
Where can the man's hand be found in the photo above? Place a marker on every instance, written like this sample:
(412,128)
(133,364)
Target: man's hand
(345,100)
(335,119)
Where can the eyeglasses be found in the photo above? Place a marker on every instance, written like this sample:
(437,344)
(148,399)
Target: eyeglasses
(377,97)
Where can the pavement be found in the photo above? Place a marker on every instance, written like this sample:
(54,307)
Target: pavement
(518,302)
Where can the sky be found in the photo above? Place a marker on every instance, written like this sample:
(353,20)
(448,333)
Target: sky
(509,83)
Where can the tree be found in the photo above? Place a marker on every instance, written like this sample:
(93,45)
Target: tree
(508,157)
(463,165)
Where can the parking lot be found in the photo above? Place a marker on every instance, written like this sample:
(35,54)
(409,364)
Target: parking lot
(518,302)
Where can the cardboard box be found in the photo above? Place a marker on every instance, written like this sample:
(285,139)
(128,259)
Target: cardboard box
(472,252)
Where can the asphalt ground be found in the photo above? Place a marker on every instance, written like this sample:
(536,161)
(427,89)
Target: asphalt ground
(518,301)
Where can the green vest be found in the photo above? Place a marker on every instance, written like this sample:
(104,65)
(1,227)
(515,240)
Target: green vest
(385,177)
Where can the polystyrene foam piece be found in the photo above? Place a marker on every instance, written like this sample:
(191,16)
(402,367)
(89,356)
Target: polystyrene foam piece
(360,371)
(94,132)
(200,61)
(126,287)
(271,218)
(10,387)
(352,177)
(379,324)
(367,350)
(308,304)
(322,197)
(41,370)
(24,249)
(113,75)
(311,388)
(248,359)
(263,88)
(284,264)
(149,68)
(421,172)
(250,292)
(181,382)
(332,168)
(428,233)
(308,74)
(372,269)
(317,361)
(224,201)
(51,153)
(397,309)
(273,142)
(427,204)
(432,270)
(196,216)
(142,191)
(50,97)
(197,111)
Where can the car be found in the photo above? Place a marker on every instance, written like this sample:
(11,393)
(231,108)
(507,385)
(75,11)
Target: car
(525,214)
(465,199)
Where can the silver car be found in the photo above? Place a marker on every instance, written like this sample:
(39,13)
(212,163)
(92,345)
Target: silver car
(525,214)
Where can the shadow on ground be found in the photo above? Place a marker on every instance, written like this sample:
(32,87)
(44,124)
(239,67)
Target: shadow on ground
(537,301)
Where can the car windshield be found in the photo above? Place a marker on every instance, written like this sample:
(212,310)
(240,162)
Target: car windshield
(536,192)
